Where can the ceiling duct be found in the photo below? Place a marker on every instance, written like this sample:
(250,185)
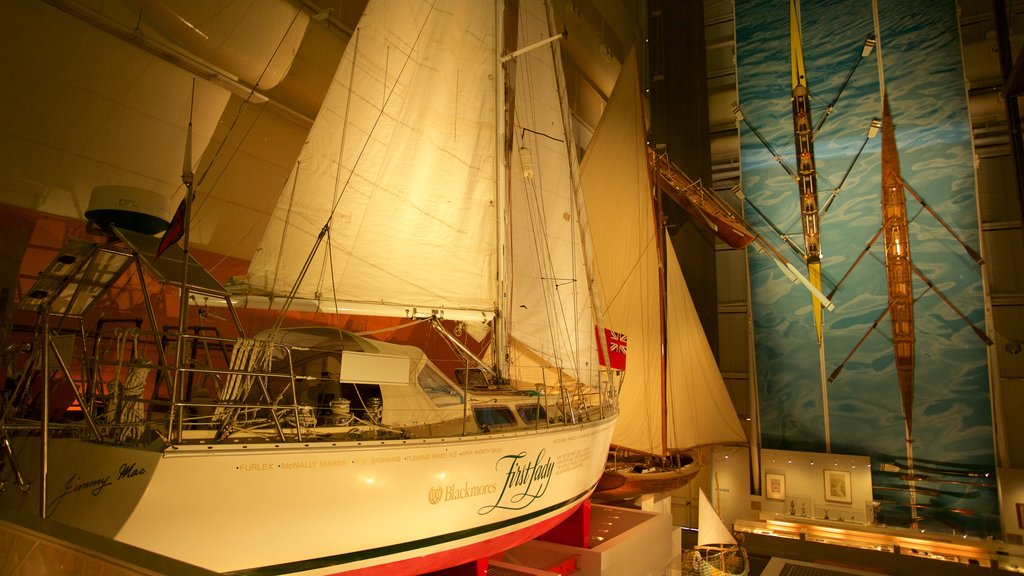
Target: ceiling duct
(254,41)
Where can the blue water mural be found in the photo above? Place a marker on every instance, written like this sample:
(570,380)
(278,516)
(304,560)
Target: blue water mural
(952,427)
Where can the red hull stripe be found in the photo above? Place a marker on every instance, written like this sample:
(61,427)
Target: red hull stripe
(340,560)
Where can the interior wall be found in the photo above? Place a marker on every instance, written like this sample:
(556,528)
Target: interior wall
(999,208)
(726,483)
(1011,482)
(813,485)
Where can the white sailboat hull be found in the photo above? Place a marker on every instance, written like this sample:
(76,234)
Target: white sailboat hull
(406,165)
(372,507)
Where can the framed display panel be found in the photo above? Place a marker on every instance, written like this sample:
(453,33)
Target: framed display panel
(775,486)
(837,486)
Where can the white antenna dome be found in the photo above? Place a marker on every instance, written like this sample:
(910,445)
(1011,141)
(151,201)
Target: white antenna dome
(127,207)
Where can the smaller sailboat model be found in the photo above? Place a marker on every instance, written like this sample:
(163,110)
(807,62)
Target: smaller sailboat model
(717,553)
(673,402)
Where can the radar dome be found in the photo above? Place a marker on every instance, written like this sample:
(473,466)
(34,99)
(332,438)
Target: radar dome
(128,207)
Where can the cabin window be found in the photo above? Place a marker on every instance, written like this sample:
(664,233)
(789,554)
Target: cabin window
(472,378)
(532,412)
(437,387)
(494,416)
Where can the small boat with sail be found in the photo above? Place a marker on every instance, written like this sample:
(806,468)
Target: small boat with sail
(296,449)
(673,402)
(717,553)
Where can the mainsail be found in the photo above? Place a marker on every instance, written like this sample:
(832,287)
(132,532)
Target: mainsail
(672,396)
(398,171)
(402,184)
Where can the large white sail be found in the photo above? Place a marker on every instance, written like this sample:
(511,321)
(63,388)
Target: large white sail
(701,411)
(550,311)
(400,165)
(625,236)
(673,397)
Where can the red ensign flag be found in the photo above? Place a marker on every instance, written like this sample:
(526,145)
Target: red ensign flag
(616,351)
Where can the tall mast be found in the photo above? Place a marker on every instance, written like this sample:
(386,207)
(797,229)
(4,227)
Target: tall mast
(501,175)
(659,229)
(187,178)
(582,220)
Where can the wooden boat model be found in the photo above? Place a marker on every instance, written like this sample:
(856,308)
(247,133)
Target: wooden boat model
(703,204)
(898,273)
(673,401)
(629,475)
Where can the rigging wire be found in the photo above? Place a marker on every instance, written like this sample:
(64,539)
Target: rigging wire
(339,188)
(231,128)
(241,108)
(580,211)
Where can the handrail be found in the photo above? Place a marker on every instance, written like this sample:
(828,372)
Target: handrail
(271,405)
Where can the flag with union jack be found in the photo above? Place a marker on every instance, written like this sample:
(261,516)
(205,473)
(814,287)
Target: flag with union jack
(616,356)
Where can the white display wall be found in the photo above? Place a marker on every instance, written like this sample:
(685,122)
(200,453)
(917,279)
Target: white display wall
(813,485)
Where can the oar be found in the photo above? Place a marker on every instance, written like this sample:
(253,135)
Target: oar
(842,364)
(978,331)
(894,466)
(865,51)
(778,158)
(961,511)
(872,131)
(867,248)
(778,232)
(970,251)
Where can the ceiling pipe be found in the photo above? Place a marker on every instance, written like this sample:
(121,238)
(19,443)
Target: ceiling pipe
(255,42)
(179,58)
